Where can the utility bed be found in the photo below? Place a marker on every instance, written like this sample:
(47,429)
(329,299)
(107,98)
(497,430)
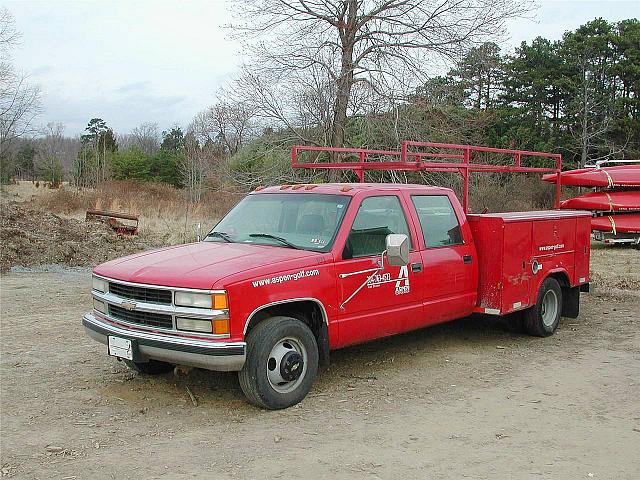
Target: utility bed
(516,250)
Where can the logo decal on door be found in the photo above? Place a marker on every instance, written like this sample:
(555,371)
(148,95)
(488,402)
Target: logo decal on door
(401,284)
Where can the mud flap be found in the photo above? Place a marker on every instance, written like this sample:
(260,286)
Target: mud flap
(571,302)
(323,345)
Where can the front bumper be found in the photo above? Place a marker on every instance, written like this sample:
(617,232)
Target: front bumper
(210,355)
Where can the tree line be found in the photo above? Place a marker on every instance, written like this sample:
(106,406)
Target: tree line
(579,96)
(356,73)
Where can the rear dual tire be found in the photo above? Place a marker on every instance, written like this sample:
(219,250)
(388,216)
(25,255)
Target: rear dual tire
(543,318)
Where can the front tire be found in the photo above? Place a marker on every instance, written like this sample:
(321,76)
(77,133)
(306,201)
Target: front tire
(281,365)
(543,318)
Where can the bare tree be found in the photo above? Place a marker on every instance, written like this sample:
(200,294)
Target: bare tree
(228,123)
(49,153)
(194,167)
(68,146)
(385,44)
(147,137)
(19,101)
(9,36)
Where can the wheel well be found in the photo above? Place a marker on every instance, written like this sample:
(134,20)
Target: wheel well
(562,279)
(307,311)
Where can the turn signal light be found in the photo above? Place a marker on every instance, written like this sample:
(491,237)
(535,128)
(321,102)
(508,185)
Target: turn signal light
(220,301)
(220,326)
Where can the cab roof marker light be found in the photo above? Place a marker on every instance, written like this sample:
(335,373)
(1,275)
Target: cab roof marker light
(258,188)
(284,187)
(310,187)
(298,187)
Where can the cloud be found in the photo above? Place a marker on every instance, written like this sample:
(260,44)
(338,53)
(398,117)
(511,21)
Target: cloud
(41,71)
(133,87)
(154,60)
(123,108)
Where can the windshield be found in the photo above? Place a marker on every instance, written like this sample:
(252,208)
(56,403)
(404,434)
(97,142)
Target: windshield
(308,221)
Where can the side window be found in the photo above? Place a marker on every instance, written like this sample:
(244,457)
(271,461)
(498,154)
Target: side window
(439,223)
(377,217)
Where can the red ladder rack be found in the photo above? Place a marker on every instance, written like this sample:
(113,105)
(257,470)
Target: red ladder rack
(455,158)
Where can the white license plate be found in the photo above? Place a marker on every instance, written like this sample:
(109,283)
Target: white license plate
(120,347)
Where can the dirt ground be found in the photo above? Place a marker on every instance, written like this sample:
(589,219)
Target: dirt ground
(466,399)
(34,237)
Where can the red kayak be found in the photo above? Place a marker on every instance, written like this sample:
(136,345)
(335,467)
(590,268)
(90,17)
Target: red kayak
(626,223)
(616,201)
(608,177)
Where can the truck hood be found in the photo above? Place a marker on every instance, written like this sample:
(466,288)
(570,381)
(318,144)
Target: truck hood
(202,265)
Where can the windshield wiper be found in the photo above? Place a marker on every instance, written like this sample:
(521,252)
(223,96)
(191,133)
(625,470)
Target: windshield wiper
(284,241)
(224,236)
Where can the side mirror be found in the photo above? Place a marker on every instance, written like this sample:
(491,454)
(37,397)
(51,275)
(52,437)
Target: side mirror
(397,249)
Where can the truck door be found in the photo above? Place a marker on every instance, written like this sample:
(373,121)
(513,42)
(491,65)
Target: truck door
(392,296)
(450,269)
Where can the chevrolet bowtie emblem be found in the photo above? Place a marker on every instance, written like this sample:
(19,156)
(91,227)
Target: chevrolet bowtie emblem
(128,305)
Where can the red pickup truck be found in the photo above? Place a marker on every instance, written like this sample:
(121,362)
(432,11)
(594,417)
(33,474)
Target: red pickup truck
(293,272)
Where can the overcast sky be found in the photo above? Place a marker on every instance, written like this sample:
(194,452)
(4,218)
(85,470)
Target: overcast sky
(135,61)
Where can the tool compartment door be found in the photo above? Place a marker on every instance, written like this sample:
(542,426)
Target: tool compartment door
(516,266)
(583,250)
(488,235)
(553,248)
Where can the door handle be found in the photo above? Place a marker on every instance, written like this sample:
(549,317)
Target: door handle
(467,258)
(416,267)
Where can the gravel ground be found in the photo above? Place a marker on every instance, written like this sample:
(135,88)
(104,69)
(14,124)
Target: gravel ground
(465,399)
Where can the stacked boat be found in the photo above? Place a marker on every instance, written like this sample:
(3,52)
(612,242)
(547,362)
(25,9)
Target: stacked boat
(615,201)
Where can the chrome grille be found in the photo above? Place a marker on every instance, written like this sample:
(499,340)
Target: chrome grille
(143,294)
(142,318)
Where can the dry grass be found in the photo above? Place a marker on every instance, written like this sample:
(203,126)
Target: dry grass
(615,266)
(164,211)
(166,214)
(26,191)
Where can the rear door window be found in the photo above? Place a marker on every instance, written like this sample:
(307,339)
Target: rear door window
(438,220)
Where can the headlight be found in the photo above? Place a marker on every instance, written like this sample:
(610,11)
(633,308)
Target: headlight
(216,301)
(100,285)
(187,299)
